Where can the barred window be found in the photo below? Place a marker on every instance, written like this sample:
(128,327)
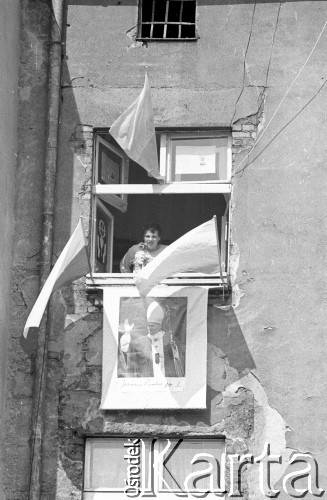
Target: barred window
(167,20)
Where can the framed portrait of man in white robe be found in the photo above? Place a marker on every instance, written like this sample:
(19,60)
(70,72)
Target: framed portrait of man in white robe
(154,348)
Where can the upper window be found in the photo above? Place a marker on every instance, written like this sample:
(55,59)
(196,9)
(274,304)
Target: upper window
(167,20)
(195,156)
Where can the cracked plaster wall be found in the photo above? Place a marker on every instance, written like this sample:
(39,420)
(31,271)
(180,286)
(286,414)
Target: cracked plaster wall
(266,362)
(235,75)
(235,81)
(279,241)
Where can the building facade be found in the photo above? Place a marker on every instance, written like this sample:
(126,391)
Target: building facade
(238,92)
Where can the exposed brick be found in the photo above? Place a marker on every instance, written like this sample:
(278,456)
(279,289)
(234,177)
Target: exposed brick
(237,135)
(248,127)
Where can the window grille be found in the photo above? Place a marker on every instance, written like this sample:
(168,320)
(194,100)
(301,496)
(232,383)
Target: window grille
(167,20)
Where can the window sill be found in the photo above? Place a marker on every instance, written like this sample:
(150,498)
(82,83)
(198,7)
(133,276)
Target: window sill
(177,187)
(184,279)
(145,39)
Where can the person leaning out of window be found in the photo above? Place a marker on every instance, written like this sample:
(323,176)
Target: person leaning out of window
(141,254)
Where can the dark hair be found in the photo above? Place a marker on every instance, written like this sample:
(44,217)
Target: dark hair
(152,227)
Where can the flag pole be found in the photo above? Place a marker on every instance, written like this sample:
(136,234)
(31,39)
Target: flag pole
(218,248)
(87,252)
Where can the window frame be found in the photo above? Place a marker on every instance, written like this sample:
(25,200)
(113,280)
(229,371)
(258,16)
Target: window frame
(158,443)
(109,193)
(117,199)
(166,158)
(166,23)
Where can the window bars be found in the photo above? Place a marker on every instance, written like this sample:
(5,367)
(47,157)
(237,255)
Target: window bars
(167,20)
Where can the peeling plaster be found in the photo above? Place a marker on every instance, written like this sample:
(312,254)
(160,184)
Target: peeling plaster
(220,373)
(261,111)
(247,104)
(234,261)
(269,427)
(91,413)
(72,318)
(132,33)
(249,126)
(65,487)
(238,293)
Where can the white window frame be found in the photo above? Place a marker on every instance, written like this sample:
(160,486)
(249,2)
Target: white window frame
(111,492)
(109,193)
(166,140)
(117,198)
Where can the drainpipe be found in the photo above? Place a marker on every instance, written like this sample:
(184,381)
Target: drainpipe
(52,126)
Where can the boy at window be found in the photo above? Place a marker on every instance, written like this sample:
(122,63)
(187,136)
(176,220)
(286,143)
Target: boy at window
(140,255)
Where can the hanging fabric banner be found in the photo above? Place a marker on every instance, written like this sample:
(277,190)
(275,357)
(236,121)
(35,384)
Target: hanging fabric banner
(135,133)
(154,349)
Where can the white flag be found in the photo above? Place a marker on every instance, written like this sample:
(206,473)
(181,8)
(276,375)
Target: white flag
(134,131)
(195,251)
(72,263)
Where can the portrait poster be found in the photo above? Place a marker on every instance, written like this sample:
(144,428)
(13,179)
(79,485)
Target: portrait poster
(154,348)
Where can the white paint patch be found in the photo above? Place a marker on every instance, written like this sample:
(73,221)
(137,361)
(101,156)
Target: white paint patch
(72,318)
(79,159)
(238,293)
(132,36)
(65,488)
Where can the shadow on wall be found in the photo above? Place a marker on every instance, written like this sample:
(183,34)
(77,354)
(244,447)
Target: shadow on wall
(225,333)
(65,194)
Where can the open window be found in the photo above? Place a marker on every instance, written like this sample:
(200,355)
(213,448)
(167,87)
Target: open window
(196,166)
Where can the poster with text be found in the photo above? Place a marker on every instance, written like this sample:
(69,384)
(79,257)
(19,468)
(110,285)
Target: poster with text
(154,348)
